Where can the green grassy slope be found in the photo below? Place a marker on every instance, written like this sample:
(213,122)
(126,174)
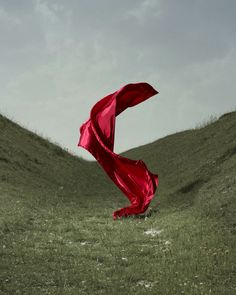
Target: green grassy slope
(57,235)
(196,167)
(29,161)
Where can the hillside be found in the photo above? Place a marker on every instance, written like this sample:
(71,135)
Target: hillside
(57,235)
(196,166)
(29,161)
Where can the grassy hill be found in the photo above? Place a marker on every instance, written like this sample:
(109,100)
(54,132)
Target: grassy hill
(196,167)
(29,161)
(57,235)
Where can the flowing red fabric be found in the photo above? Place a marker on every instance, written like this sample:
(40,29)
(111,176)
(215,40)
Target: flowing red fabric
(97,136)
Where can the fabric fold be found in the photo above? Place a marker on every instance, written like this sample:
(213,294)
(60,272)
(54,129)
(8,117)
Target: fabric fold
(132,177)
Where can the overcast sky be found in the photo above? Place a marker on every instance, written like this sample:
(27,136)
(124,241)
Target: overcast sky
(59,57)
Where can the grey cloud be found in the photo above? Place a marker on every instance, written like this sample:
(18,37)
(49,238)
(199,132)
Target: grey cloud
(59,57)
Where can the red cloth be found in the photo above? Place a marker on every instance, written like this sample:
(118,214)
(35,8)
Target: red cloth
(97,136)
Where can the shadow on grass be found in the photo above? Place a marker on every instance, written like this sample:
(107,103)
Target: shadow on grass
(150,213)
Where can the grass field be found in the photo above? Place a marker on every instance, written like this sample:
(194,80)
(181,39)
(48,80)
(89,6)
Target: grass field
(57,235)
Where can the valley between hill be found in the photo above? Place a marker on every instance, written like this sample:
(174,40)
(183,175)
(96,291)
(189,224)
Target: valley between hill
(57,235)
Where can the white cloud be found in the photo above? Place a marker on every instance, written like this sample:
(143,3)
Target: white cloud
(9,19)
(144,10)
